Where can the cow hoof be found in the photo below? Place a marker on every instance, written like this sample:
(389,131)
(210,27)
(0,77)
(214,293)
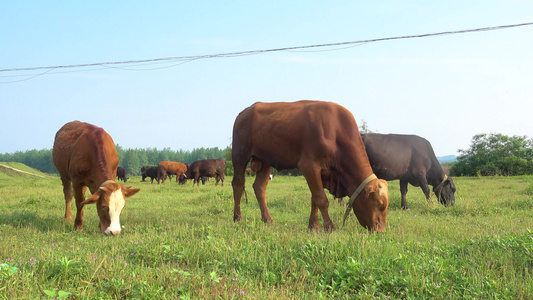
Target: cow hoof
(405,208)
(268,221)
(314,228)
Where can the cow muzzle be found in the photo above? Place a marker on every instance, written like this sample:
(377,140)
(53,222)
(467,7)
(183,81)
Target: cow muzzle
(112,232)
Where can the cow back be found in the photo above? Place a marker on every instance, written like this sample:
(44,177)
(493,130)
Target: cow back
(285,135)
(395,156)
(85,153)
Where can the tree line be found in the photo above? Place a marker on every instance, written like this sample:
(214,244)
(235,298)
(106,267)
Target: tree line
(495,154)
(130,159)
(488,155)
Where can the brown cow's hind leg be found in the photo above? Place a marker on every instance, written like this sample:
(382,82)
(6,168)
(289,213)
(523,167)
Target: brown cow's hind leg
(238,189)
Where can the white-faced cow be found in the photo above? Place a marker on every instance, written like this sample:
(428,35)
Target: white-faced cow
(85,156)
(204,169)
(410,159)
(321,139)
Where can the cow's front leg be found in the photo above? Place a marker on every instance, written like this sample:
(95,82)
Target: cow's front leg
(67,192)
(79,194)
(319,200)
(424,185)
(313,218)
(260,184)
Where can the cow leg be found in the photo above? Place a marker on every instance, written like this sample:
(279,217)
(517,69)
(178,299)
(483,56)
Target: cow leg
(67,192)
(319,200)
(79,194)
(403,191)
(421,176)
(238,189)
(221,178)
(159,174)
(260,184)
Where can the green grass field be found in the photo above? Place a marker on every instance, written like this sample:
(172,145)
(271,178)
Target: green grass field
(180,242)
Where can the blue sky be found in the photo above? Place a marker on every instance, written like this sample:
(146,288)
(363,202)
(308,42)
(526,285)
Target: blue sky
(445,89)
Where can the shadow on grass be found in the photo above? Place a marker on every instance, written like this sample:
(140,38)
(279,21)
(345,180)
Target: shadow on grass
(26,219)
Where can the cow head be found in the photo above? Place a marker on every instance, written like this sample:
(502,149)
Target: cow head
(183,179)
(370,207)
(110,199)
(445,191)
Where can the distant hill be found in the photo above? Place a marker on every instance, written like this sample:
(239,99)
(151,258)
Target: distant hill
(18,169)
(447,158)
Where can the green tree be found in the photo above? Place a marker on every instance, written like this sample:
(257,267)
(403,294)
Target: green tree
(495,154)
(132,162)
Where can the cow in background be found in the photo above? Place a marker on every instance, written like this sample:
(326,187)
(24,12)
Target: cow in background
(149,171)
(170,168)
(410,159)
(203,169)
(85,156)
(321,139)
(122,174)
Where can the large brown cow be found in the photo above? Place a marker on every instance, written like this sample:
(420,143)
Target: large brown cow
(165,168)
(410,159)
(321,139)
(203,169)
(85,156)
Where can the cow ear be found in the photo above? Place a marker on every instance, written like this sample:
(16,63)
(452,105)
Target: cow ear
(130,192)
(91,200)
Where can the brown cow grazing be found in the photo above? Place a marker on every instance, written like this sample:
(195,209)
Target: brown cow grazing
(85,156)
(410,159)
(321,139)
(170,168)
(204,169)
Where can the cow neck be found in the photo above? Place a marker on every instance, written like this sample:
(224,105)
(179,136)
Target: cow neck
(438,189)
(102,160)
(436,177)
(357,192)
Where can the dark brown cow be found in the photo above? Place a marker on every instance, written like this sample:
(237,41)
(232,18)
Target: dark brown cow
(149,171)
(170,168)
(122,174)
(321,139)
(203,169)
(85,156)
(410,159)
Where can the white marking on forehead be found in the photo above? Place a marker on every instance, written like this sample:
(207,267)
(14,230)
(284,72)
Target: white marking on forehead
(116,204)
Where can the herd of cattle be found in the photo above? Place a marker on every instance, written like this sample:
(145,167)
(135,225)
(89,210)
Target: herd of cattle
(319,138)
(198,170)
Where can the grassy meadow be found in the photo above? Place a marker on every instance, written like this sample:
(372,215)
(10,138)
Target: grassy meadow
(180,242)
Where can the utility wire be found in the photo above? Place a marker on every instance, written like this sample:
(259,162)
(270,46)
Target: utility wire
(253,52)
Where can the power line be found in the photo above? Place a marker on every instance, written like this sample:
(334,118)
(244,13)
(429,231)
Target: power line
(185,59)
